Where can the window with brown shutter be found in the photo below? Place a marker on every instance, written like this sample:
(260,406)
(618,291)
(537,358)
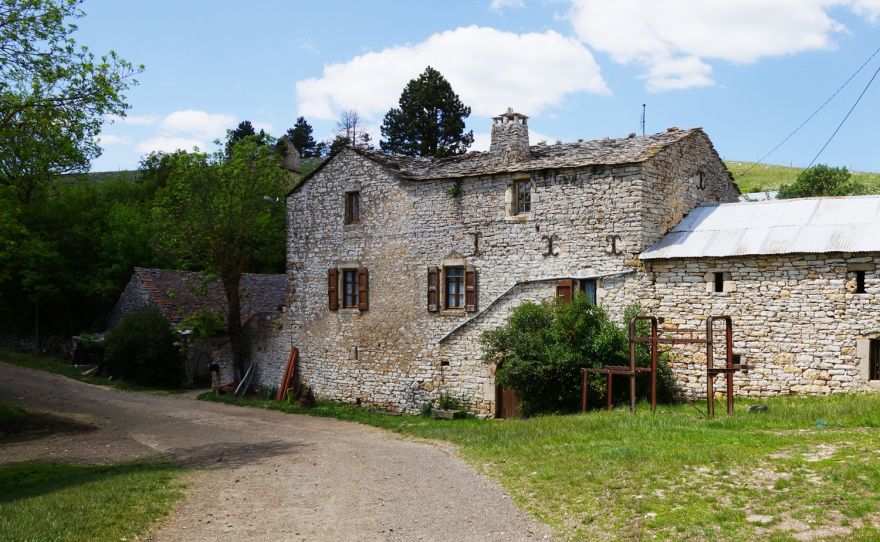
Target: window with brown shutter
(564,288)
(332,295)
(470,289)
(433,289)
(454,279)
(350,288)
(363,289)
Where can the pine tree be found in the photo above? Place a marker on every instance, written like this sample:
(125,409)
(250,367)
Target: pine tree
(429,121)
(301,137)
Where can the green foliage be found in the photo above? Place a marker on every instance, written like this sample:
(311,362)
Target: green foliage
(540,351)
(142,349)
(301,137)
(204,323)
(87,503)
(765,177)
(429,121)
(448,402)
(821,180)
(54,95)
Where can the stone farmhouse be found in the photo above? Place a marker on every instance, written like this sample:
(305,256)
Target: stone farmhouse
(397,265)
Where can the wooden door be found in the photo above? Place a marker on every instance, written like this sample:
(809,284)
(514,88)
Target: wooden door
(506,403)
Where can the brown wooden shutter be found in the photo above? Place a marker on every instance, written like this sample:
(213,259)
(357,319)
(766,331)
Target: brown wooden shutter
(433,289)
(470,289)
(332,285)
(363,289)
(564,289)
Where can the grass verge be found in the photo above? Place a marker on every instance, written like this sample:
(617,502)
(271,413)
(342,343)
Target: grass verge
(808,468)
(768,177)
(9,415)
(60,501)
(57,366)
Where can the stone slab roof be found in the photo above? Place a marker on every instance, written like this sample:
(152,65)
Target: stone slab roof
(629,150)
(793,226)
(178,294)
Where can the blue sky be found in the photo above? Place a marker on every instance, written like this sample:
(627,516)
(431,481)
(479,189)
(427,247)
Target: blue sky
(747,71)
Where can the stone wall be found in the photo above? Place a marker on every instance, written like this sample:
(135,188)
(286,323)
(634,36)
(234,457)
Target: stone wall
(392,355)
(796,319)
(134,298)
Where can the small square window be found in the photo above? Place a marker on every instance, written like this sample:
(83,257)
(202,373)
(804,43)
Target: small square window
(588,287)
(352,207)
(860,282)
(350,288)
(454,287)
(874,360)
(522,195)
(718,285)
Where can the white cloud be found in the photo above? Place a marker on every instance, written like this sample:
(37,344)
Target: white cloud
(136,120)
(498,5)
(674,39)
(489,69)
(111,139)
(198,124)
(168,144)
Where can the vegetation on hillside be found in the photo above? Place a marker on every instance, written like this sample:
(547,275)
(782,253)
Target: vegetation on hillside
(768,177)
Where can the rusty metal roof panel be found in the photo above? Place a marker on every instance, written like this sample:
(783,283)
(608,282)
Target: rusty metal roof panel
(814,225)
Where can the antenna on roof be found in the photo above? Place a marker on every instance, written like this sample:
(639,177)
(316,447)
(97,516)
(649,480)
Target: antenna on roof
(643,119)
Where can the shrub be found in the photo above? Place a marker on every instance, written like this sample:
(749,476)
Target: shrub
(540,352)
(142,350)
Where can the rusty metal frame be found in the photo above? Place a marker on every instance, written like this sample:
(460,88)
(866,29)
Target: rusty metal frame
(655,341)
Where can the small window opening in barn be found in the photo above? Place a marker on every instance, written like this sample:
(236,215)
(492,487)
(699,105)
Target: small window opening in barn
(860,282)
(454,278)
(874,360)
(522,192)
(349,288)
(588,287)
(719,282)
(352,207)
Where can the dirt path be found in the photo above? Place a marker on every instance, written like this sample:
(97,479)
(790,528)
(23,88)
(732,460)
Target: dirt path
(264,475)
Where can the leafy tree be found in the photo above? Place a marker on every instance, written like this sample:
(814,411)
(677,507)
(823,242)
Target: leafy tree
(215,217)
(142,350)
(821,180)
(244,129)
(429,121)
(54,94)
(301,137)
(541,349)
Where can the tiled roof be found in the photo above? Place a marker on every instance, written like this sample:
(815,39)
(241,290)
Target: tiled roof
(791,226)
(178,294)
(607,151)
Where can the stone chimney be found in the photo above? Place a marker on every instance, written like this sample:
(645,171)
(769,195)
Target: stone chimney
(510,136)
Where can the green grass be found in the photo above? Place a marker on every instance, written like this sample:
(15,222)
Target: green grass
(9,415)
(806,464)
(60,367)
(766,177)
(59,501)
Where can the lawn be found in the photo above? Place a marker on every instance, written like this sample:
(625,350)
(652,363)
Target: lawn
(57,366)
(60,501)
(763,177)
(9,415)
(807,468)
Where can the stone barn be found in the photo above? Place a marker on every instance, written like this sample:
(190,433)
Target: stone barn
(797,276)
(397,264)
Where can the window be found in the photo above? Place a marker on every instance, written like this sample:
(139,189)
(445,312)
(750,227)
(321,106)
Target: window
(860,282)
(454,287)
(719,282)
(353,283)
(352,207)
(349,288)
(522,196)
(588,287)
(874,361)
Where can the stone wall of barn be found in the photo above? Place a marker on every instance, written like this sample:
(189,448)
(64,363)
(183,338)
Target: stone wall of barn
(797,319)
(396,354)
(134,298)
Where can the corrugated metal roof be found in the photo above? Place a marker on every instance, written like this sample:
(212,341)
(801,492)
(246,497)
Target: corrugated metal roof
(815,225)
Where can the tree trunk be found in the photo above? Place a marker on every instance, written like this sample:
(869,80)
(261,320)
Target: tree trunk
(233,319)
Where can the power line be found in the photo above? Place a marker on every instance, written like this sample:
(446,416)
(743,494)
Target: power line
(816,112)
(847,116)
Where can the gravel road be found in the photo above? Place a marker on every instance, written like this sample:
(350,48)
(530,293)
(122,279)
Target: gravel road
(262,475)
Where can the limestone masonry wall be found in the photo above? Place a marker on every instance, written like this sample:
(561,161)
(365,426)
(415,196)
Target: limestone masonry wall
(796,318)
(397,355)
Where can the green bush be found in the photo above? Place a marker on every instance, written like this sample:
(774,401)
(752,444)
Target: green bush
(142,350)
(540,352)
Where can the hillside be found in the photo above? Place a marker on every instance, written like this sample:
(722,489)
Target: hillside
(769,177)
